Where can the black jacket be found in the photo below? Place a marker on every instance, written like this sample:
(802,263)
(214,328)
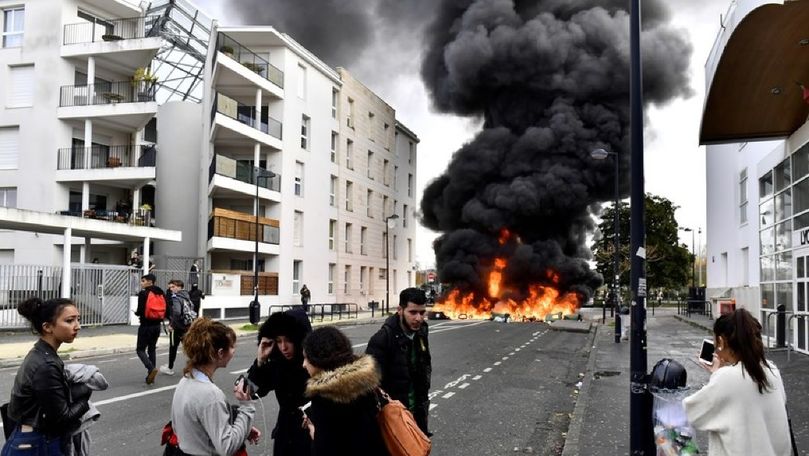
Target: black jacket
(344,410)
(142,294)
(392,350)
(41,396)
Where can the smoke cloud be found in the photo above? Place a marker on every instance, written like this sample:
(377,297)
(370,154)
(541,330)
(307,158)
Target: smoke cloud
(550,79)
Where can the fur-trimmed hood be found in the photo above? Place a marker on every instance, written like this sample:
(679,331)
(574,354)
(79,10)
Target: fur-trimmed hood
(346,383)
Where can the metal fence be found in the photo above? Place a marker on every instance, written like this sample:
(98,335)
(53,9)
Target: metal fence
(20,282)
(102,156)
(109,30)
(249,59)
(106,93)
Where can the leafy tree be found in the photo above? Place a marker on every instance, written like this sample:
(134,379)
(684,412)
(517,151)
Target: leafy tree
(668,264)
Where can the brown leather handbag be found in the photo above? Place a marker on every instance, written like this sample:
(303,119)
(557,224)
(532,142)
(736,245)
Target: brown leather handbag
(399,430)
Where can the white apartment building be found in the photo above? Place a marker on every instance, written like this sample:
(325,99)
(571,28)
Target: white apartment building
(757,137)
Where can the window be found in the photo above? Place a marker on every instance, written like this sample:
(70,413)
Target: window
(409,250)
(332,268)
(21,90)
(371,126)
(384,244)
(385,172)
(333,191)
(305,132)
(332,233)
(363,240)
(782,175)
(404,215)
(370,165)
(13,22)
(347,280)
(9,147)
(348,233)
(369,197)
(350,117)
(395,250)
(297,265)
(298,229)
(409,185)
(349,196)
(395,172)
(334,140)
(743,196)
(385,141)
(765,185)
(334,96)
(363,275)
(301,82)
(385,211)
(349,153)
(411,152)
(298,179)
(8,197)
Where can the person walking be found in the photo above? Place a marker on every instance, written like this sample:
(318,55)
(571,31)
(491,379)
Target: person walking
(43,407)
(279,367)
(200,414)
(402,351)
(196,296)
(148,311)
(177,321)
(306,295)
(342,387)
(193,274)
(743,406)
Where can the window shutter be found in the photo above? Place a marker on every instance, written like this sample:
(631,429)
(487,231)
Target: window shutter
(22,86)
(9,147)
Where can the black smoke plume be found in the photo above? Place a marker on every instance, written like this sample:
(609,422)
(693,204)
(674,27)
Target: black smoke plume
(550,79)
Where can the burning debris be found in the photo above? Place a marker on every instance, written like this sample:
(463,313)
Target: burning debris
(550,79)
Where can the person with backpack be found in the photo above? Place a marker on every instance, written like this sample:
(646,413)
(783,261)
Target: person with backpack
(180,315)
(151,311)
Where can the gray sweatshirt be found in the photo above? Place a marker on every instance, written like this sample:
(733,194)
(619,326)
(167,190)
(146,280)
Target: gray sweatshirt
(200,416)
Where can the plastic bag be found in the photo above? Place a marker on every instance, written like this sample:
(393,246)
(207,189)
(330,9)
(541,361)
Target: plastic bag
(674,436)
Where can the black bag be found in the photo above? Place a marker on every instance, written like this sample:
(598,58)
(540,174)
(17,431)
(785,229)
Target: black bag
(8,423)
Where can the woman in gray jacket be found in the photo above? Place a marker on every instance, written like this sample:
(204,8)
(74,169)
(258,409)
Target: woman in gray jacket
(200,413)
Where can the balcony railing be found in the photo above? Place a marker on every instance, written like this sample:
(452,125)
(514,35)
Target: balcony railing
(241,171)
(249,59)
(107,93)
(245,114)
(106,157)
(110,30)
(139,217)
(239,225)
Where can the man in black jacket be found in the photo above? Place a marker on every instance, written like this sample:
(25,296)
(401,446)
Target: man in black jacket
(149,329)
(402,350)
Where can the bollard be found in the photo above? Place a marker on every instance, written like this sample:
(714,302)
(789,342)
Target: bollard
(781,326)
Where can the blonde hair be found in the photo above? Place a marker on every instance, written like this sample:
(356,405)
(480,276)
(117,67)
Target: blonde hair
(204,338)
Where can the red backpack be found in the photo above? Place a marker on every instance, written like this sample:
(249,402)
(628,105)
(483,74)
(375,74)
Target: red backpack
(155,306)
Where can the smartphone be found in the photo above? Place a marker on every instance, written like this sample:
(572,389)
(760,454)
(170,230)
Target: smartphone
(706,353)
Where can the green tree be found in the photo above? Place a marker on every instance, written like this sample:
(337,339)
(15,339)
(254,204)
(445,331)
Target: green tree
(668,263)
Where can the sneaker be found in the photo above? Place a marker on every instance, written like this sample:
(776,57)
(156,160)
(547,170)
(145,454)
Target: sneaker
(164,369)
(151,376)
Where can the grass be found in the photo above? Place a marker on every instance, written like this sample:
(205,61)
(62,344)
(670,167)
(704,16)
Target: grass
(249,327)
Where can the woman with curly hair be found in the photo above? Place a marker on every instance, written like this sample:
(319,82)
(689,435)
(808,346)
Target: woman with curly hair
(43,405)
(200,414)
(743,405)
(342,387)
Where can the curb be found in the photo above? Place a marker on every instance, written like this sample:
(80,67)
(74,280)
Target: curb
(571,447)
(695,324)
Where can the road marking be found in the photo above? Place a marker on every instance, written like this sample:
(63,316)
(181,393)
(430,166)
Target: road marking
(448,395)
(432,406)
(511,354)
(359,345)
(477,377)
(517,349)
(488,369)
(459,380)
(497,363)
(463,386)
(240,371)
(432,395)
(134,395)
(505,358)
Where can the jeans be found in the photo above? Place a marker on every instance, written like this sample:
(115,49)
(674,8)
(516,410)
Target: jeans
(31,444)
(147,340)
(175,338)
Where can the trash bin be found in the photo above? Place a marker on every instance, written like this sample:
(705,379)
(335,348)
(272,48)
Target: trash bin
(373,305)
(255,312)
(673,434)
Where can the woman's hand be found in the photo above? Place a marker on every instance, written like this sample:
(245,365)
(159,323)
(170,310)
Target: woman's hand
(714,366)
(254,435)
(307,424)
(264,349)
(239,393)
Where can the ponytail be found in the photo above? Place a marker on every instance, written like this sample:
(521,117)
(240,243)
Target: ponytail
(743,335)
(39,312)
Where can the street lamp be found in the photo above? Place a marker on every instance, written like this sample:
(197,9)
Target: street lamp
(255,308)
(693,256)
(699,249)
(601,154)
(390,222)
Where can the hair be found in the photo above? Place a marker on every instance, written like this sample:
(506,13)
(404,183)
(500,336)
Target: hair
(149,277)
(414,295)
(177,282)
(204,338)
(284,324)
(39,312)
(328,348)
(742,333)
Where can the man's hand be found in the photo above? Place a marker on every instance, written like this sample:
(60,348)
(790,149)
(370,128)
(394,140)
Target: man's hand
(264,349)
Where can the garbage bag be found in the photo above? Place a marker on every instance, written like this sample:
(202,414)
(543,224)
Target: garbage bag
(674,435)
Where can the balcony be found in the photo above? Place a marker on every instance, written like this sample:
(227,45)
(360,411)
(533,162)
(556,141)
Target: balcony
(232,230)
(230,178)
(240,54)
(126,166)
(118,43)
(139,217)
(235,123)
(121,105)
(110,30)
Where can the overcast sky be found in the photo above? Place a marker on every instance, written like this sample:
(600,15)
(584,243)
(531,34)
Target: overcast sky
(675,163)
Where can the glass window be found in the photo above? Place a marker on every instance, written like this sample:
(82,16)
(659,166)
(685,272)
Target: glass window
(767,295)
(801,221)
(767,241)
(783,236)
(332,267)
(767,268)
(801,268)
(800,163)
(783,295)
(334,103)
(782,175)
(8,197)
(765,185)
(333,191)
(333,147)
(298,179)
(783,267)
(332,234)
(13,22)
(767,215)
(296,275)
(305,132)
(783,205)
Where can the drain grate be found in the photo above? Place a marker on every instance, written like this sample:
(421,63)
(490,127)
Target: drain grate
(600,374)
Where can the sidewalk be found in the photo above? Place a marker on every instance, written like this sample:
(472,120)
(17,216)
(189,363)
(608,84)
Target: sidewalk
(600,422)
(104,340)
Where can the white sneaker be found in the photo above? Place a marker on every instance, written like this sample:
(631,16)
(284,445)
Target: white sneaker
(164,369)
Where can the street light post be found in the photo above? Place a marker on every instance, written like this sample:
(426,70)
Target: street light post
(699,249)
(601,154)
(255,315)
(388,221)
(693,257)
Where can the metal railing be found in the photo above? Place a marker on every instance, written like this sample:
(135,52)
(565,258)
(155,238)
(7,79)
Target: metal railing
(339,308)
(20,282)
(105,157)
(139,217)
(109,29)
(241,171)
(252,61)
(238,111)
(103,93)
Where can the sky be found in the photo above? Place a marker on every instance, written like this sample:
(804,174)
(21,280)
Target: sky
(674,161)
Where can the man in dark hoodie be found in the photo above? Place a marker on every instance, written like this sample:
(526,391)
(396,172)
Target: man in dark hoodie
(402,351)
(177,326)
(279,367)
(149,329)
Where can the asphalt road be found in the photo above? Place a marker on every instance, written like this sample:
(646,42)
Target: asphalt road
(496,389)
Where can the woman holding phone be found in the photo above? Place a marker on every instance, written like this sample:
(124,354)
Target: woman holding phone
(743,406)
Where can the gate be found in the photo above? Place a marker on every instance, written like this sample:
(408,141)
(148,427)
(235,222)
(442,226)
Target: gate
(102,293)
(20,282)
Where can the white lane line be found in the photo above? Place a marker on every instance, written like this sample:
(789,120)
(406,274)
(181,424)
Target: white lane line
(488,369)
(511,354)
(240,371)
(477,377)
(359,345)
(448,395)
(505,358)
(497,363)
(463,386)
(517,349)
(432,406)
(134,395)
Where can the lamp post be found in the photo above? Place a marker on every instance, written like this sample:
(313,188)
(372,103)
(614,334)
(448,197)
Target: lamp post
(601,154)
(390,220)
(255,308)
(699,249)
(693,257)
